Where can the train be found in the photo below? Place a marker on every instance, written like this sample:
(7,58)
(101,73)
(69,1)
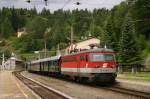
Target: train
(94,65)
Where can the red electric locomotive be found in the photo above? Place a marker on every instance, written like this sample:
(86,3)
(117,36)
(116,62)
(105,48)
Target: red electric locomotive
(95,65)
(98,65)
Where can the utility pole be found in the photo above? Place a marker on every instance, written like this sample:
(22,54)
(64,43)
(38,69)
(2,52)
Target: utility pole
(45,41)
(92,23)
(58,50)
(72,34)
(45,48)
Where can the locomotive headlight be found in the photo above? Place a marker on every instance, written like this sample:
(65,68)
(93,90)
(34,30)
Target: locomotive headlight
(86,65)
(105,65)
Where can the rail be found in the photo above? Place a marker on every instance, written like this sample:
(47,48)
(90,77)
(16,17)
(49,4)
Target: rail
(43,91)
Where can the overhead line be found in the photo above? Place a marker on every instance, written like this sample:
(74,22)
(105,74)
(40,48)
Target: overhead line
(66,4)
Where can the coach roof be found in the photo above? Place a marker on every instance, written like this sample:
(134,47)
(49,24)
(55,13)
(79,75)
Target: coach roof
(46,59)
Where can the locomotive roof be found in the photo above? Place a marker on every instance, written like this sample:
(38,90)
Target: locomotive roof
(46,59)
(93,50)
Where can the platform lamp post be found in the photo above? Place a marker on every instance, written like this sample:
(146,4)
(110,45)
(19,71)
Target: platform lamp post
(3,61)
(1,66)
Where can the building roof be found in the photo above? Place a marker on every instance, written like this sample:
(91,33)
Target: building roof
(93,50)
(86,43)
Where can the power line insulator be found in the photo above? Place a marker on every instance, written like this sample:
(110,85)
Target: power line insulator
(28,1)
(45,2)
(78,3)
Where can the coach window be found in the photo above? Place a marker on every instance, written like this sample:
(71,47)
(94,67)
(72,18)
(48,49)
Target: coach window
(48,65)
(55,63)
(40,66)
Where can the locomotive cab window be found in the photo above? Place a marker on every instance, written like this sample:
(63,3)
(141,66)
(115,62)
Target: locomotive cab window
(109,57)
(83,58)
(101,57)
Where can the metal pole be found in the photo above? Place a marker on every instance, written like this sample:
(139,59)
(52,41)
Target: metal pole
(72,34)
(45,43)
(92,22)
(45,49)
(58,51)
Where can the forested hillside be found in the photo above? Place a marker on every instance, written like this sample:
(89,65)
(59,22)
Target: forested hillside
(125,28)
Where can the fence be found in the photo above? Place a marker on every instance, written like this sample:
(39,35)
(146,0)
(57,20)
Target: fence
(133,68)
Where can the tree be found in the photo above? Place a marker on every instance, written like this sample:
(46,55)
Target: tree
(17,18)
(109,36)
(141,14)
(6,28)
(37,27)
(129,51)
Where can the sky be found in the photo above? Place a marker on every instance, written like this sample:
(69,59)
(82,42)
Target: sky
(60,4)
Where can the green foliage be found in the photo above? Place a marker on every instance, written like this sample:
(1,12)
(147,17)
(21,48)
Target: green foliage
(6,28)
(109,35)
(37,27)
(129,51)
(126,34)
(141,14)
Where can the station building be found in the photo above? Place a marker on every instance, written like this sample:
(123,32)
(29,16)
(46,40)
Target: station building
(12,64)
(20,32)
(90,43)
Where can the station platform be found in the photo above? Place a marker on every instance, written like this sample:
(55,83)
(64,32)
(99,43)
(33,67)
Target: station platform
(12,88)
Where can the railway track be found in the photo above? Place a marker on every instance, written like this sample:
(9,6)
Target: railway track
(43,91)
(40,90)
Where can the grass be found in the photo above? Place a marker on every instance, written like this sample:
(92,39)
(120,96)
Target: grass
(140,76)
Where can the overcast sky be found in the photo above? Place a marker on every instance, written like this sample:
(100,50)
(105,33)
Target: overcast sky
(60,4)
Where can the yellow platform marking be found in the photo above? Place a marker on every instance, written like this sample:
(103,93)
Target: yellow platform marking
(16,82)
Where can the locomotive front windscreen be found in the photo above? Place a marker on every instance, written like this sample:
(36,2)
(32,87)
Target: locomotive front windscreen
(102,57)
